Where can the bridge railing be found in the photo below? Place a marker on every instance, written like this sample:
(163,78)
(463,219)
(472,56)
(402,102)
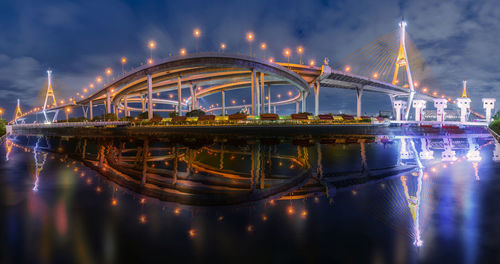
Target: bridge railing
(72,124)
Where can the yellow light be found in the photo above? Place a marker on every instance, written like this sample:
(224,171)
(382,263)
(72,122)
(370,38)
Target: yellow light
(196,33)
(250,36)
(152,44)
(290,93)
(300,49)
(290,210)
(287,52)
(62,101)
(124,60)
(435,93)
(85,90)
(415,84)
(425,89)
(108,71)
(223,46)
(142,219)
(375,75)
(263,46)
(264,217)
(347,69)
(234,102)
(250,228)
(271,60)
(443,96)
(279,95)
(150,61)
(91,86)
(98,79)
(183,52)
(312,63)
(177,211)
(68,109)
(303,214)
(192,232)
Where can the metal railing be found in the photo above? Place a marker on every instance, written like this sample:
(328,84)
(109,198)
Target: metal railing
(72,124)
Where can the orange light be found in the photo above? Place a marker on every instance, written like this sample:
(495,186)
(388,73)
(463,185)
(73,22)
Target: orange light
(264,217)
(91,85)
(303,214)
(250,228)
(375,75)
(415,84)
(62,101)
(68,110)
(435,93)
(98,79)
(279,95)
(150,61)
(290,210)
(108,71)
(192,232)
(114,202)
(177,211)
(152,44)
(271,60)
(223,46)
(85,90)
(347,69)
(143,200)
(183,52)
(196,33)
(263,46)
(124,60)
(312,63)
(287,52)
(300,49)
(233,102)
(142,219)
(250,36)
(424,89)
(289,93)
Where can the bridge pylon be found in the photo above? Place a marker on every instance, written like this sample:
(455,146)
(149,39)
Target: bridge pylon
(18,113)
(49,94)
(402,61)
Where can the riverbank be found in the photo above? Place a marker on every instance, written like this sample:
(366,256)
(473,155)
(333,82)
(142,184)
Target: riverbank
(271,130)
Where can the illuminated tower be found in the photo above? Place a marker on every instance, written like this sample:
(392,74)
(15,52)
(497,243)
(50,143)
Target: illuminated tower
(402,61)
(50,91)
(18,114)
(464,104)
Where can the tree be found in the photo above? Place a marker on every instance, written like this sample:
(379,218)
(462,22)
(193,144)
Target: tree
(144,115)
(3,123)
(195,113)
(173,114)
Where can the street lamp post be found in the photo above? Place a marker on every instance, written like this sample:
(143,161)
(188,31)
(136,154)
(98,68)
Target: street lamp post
(196,34)
(300,50)
(151,46)
(108,73)
(287,53)
(250,38)
(123,61)
(68,110)
(223,47)
(263,47)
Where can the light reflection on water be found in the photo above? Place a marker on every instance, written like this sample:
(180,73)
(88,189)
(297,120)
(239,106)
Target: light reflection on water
(398,198)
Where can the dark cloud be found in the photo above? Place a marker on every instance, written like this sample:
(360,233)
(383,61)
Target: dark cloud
(79,39)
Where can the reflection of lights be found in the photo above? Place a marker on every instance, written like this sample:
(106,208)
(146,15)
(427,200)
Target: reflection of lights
(250,228)
(98,189)
(192,232)
(143,200)
(114,202)
(142,219)
(303,214)
(177,211)
(220,218)
(272,202)
(89,181)
(290,210)
(433,169)
(354,192)
(316,199)
(264,217)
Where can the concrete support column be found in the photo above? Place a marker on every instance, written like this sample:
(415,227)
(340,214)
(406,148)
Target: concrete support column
(192,96)
(262,95)
(179,95)
(303,102)
(464,105)
(359,94)
(253,91)
(108,102)
(275,109)
(316,98)
(143,106)
(91,110)
(488,105)
(440,104)
(84,112)
(399,106)
(419,105)
(150,96)
(257,97)
(223,103)
(125,106)
(297,107)
(269,96)
(393,98)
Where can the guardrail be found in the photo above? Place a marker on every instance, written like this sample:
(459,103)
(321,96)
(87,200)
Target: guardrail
(72,124)
(494,134)
(452,123)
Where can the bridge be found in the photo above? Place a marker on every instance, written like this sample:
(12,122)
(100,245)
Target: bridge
(202,75)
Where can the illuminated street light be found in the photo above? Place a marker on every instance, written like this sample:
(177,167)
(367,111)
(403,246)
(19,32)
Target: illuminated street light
(150,61)
(91,86)
(123,61)
(287,53)
(263,47)
(108,73)
(68,110)
(223,47)
(250,39)
(300,50)
(271,60)
(98,79)
(1,113)
(182,52)
(312,63)
(375,76)
(151,46)
(347,69)
(196,34)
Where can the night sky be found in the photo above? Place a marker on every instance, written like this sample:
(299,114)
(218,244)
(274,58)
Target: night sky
(79,39)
